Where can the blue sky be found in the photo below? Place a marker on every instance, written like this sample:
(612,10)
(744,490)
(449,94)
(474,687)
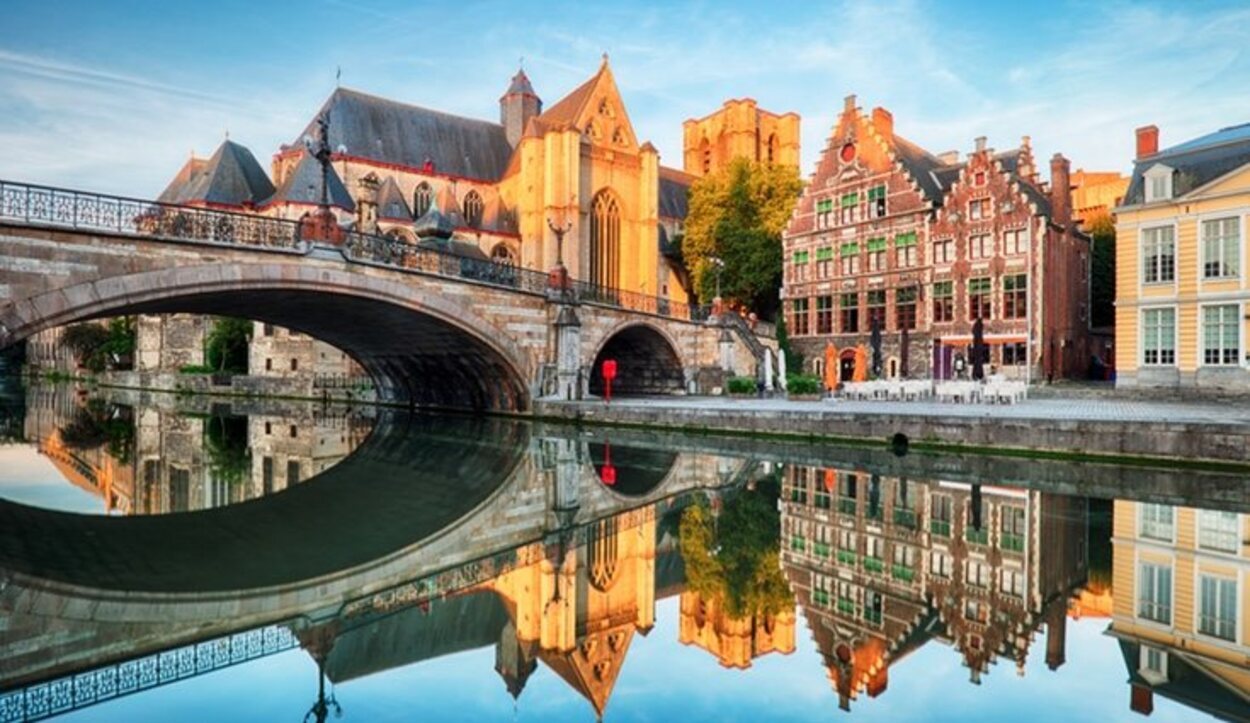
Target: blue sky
(113,96)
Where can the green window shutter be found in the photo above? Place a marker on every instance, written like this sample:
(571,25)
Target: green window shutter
(850,249)
(876,244)
(944,288)
(876,192)
(850,199)
(905,239)
(981,285)
(824,253)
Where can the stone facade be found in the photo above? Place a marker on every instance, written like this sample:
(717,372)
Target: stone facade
(888,234)
(168,343)
(739,129)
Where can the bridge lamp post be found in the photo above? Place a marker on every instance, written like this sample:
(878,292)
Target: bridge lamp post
(559,277)
(719,265)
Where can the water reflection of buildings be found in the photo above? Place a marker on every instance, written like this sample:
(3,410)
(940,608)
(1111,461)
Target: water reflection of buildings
(157,461)
(1180,606)
(882,565)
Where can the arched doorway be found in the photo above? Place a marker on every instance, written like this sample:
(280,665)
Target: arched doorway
(605,240)
(846,364)
(645,364)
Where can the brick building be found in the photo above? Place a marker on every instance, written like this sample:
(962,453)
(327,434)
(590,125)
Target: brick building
(888,234)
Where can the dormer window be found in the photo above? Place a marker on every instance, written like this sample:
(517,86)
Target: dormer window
(1158,183)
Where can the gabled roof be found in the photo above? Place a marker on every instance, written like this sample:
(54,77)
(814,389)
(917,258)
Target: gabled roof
(391,202)
(303,185)
(384,130)
(177,188)
(231,177)
(567,110)
(1195,163)
(674,190)
(920,165)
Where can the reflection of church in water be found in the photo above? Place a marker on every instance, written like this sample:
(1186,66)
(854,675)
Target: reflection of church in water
(881,565)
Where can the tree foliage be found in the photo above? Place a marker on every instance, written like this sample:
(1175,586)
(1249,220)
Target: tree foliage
(1102,271)
(101,347)
(226,442)
(736,556)
(226,346)
(737,214)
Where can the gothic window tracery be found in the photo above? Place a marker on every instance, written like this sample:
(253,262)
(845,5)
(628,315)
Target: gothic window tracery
(422,198)
(473,209)
(605,239)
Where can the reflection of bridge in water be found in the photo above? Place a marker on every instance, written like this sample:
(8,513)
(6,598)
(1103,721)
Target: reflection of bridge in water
(477,533)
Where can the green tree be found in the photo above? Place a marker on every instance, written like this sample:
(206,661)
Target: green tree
(98,347)
(229,456)
(227,344)
(737,214)
(1102,271)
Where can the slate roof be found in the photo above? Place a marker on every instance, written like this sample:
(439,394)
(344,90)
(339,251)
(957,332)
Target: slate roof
(231,177)
(176,190)
(920,164)
(520,85)
(407,135)
(1195,163)
(303,185)
(946,176)
(674,193)
(391,202)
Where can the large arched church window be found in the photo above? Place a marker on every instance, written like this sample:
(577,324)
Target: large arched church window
(473,209)
(422,198)
(605,239)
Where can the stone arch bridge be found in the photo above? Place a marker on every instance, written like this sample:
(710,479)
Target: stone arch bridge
(431,328)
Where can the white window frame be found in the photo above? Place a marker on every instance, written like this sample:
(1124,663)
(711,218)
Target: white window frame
(1239,237)
(1200,517)
(1138,598)
(1238,319)
(1157,172)
(1200,598)
(1154,676)
(1141,325)
(1141,251)
(1141,524)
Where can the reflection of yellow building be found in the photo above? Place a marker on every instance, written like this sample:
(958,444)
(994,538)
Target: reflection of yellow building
(1182,279)
(881,565)
(734,640)
(1181,605)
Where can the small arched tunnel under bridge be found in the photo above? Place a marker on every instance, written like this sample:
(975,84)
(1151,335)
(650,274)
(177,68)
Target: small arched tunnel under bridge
(646,364)
(412,355)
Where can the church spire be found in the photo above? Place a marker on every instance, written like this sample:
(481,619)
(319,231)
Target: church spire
(518,104)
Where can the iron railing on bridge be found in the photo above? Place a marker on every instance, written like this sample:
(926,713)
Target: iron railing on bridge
(44,205)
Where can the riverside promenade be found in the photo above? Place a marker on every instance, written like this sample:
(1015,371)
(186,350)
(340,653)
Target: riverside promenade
(1095,427)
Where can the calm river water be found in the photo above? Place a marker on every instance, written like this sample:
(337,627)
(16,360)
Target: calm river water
(171,558)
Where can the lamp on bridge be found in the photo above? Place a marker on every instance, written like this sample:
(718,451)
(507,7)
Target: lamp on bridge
(559,276)
(322,225)
(718,306)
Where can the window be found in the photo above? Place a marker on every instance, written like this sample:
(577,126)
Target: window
(905,308)
(876,254)
(798,320)
(1011,582)
(978,208)
(876,308)
(1015,296)
(1218,530)
(1221,326)
(979,178)
(850,208)
(978,574)
(292,472)
(980,304)
(422,198)
(939,564)
(294,431)
(1158,183)
(800,265)
(1217,607)
(1153,665)
(824,262)
(266,475)
(605,240)
(269,365)
(943,251)
(849,313)
(876,201)
(980,246)
(1156,522)
(1011,529)
(294,365)
(905,250)
(1154,592)
(943,301)
(850,258)
(473,209)
(1159,255)
(1159,336)
(824,213)
(1221,244)
(824,314)
(1015,354)
(1015,242)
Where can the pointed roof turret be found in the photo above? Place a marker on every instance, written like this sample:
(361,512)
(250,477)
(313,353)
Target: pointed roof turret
(392,205)
(520,85)
(303,185)
(231,177)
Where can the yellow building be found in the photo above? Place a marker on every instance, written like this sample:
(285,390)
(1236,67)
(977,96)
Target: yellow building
(1181,274)
(735,640)
(1180,605)
(740,129)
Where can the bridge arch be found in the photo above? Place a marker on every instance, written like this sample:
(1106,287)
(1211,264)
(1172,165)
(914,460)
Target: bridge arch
(420,346)
(647,361)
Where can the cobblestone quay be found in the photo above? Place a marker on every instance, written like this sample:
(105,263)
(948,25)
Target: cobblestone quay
(1208,432)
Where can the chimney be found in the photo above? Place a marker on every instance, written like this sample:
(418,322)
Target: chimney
(1056,636)
(1060,190)
(1147,141)
(949,158)
(848,103)
(980,141)
(883,121)
(1141,700)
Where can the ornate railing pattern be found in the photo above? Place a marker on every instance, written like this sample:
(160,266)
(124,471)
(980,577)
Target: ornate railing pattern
(98,212)
(44,205)
(73,692)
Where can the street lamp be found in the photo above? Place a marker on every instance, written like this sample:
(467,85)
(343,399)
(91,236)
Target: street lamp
(719,265)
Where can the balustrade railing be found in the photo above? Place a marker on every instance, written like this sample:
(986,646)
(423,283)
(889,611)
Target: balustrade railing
(43,205)
(99,212)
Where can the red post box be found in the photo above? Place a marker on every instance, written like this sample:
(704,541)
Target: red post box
(609,373)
